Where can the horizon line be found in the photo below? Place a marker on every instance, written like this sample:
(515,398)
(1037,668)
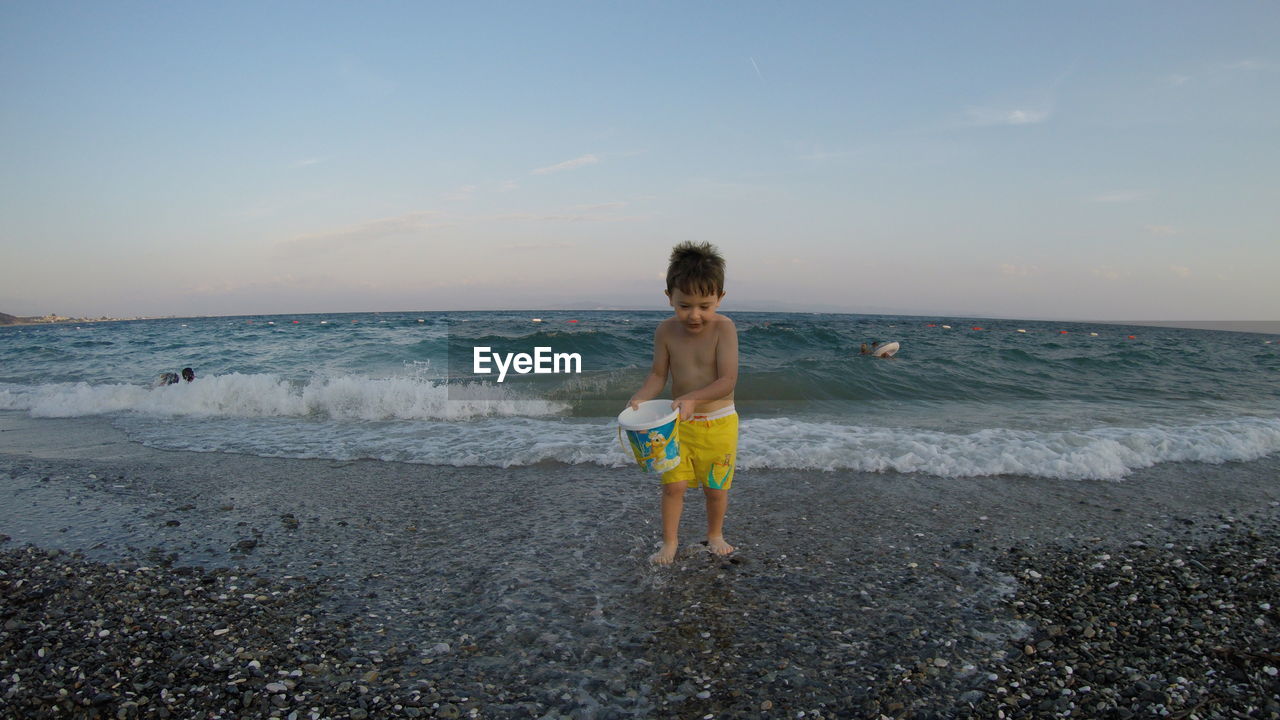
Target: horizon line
(1247,326)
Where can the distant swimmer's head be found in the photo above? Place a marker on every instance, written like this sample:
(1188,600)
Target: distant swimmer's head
(188,374)
(696,269)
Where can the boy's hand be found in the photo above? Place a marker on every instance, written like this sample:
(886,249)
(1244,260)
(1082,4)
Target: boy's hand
(685,405)
(633,403)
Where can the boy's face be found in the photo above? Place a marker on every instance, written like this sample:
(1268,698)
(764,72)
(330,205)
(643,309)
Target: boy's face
(692,310)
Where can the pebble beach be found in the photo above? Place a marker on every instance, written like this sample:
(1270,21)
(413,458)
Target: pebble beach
(145,583)
(351,344)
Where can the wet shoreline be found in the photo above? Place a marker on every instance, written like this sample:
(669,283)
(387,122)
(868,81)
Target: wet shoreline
(527,591)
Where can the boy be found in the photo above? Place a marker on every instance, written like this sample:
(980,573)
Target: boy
(700,350)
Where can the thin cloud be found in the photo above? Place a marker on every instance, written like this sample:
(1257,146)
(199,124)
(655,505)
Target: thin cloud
(1011,270)
(757,68)
(1180,270)
(362,79)
(1106,272)
(986,116)
(592,212)
(1247,65)
(309,162)
(286,281)
(823,156)
(360,233)
(1026,117)
(1177,80)
(464,192)
(567,217)
(1209,73)
(616,205)
(1120,196)
(536,246)
(577,162)
(1160,230)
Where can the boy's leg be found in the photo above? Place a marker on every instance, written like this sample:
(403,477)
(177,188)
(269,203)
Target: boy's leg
(672,506)
(715,474)
(717,504)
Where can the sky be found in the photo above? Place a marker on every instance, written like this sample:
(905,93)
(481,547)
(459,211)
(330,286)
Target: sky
(1056,160)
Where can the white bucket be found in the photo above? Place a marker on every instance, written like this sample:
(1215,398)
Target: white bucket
(653,434)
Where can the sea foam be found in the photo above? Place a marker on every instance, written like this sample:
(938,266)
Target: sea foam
(1102,453)
(267,395)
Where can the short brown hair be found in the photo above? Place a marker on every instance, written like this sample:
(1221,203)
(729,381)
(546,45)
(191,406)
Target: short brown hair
(696,268)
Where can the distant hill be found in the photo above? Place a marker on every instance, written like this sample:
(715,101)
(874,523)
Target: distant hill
(9,319)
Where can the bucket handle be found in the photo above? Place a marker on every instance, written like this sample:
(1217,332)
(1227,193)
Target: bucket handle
(625,449)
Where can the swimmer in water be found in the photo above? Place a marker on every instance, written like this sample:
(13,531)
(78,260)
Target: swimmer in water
(172,378)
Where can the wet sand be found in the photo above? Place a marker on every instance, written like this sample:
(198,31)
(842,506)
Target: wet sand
(526,592)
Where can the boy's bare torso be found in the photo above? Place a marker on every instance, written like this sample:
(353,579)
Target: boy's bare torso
(692,358)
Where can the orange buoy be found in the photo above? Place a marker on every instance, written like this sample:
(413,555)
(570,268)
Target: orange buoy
(1062,332)
(975,328)
(1133,337)
(573,321)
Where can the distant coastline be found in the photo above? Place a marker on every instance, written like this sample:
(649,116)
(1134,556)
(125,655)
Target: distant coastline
(7,319)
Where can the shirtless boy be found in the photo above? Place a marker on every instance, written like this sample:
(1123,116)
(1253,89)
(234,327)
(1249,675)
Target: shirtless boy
(700,351)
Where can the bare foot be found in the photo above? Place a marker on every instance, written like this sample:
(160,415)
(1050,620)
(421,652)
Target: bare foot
(718,546)
(665,555)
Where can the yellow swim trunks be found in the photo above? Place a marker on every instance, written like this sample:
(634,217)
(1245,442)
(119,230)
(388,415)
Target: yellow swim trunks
(708,450)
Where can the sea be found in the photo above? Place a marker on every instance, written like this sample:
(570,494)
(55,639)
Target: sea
(1059,401)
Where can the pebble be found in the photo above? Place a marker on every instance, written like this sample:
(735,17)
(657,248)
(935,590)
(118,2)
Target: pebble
(968,633)
(1190,622)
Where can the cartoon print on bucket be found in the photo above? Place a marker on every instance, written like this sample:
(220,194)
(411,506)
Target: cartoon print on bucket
(652,431)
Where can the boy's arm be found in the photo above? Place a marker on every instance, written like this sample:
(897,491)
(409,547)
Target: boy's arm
(726,371)
(657,378)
